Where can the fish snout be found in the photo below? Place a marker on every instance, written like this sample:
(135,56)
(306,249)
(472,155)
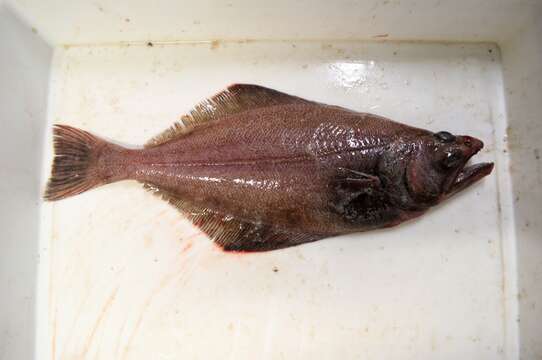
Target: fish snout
(470,145)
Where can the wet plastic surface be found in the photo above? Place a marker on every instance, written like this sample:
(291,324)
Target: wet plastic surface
(129,277)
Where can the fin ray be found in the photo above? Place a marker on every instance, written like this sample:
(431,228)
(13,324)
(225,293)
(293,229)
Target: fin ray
(74,164)
(230,233)
(235,99)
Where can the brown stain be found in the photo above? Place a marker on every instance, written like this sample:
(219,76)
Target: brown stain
(103,312)
(215,44)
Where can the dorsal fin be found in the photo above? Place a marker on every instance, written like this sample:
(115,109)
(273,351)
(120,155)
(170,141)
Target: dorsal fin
(235,99)
(230,233)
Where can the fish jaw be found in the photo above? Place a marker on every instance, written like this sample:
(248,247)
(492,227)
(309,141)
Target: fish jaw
(468,176)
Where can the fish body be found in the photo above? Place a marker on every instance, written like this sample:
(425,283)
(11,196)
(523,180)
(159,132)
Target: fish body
(259,170)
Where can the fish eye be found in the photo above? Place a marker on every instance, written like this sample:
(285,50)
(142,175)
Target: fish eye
(452,159)
(445,136)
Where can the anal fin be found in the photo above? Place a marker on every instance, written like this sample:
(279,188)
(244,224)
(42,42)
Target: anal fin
(230,233)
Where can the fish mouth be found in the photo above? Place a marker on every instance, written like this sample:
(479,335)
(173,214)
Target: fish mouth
(469,174)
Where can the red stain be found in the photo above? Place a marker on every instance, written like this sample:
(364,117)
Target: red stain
(236,253)
(193,236)
(186,247)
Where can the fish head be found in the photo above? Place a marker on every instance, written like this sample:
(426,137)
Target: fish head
(438,167)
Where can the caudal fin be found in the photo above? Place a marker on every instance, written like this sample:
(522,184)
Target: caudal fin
(75,164)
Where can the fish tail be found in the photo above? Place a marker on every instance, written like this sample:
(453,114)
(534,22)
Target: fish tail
(76,164)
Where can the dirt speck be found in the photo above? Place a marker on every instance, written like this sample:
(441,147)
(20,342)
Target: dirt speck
(150,44)
(215,44)
(380,36)
(395,53)
(536,153)
(490,51)
(275,269)
(127,19)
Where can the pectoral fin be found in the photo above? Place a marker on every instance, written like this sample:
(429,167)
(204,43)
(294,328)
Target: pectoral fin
(349,180)
(351,185)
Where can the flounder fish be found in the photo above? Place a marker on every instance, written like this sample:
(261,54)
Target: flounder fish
(257,169)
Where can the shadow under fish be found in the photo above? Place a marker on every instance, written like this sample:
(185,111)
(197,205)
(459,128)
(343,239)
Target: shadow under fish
(257,169)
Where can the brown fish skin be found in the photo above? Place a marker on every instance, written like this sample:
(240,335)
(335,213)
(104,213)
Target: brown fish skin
(296,168)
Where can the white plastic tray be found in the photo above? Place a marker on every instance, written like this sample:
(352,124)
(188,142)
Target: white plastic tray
(116,273)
